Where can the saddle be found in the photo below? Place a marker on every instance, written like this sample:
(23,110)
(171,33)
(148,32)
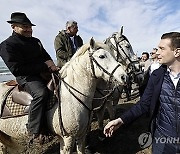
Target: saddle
(16,101)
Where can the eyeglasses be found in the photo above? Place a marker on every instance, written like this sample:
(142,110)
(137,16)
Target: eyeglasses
(155,49)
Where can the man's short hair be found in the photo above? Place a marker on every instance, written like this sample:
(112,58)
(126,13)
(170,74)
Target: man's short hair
(146,53)
(174,37)
(71,23)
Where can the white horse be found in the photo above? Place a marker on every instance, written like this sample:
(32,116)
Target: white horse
(79,79)
(124,53)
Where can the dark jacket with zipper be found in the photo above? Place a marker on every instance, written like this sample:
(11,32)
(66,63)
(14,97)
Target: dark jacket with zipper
(24,56)
(150,101)
(168,118)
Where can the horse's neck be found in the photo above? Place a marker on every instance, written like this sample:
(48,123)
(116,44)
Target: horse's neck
(79,76)
(82,83)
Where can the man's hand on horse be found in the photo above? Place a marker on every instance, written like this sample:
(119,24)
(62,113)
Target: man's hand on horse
(52,67)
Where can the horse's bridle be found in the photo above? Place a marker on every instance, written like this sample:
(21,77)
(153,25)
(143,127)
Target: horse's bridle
(92,59)
(116,48)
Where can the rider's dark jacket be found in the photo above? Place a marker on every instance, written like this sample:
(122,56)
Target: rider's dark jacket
(161,100)
(24,56)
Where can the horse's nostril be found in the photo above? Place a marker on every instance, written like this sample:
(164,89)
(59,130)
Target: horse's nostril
(123,77)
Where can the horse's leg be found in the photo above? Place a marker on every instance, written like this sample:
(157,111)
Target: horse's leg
(66,145)
(100,116)
(111,110)
(81,145)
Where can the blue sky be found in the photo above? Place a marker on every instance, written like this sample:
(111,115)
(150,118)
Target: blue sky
(144,21)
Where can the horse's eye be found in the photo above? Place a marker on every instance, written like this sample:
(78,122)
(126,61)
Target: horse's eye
(102,56)
(128,46)
(98,48)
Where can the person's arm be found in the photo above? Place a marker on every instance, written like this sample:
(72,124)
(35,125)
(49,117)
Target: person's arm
(112,126)
(133,113)
(52,67)
(142,106)
(60,48)
(47,59)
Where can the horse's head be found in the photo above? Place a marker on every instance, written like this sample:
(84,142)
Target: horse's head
(104,64)
(121,47)
(124,53)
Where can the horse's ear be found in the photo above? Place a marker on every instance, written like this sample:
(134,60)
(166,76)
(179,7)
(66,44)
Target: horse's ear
(92,43)
(121,30)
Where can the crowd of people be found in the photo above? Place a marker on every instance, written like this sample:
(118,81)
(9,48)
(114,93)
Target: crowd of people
(27,59)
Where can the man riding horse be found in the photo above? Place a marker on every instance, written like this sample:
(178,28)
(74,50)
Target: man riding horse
(26,58)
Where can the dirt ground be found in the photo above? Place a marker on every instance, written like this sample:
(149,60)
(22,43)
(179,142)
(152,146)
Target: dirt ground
(124,141)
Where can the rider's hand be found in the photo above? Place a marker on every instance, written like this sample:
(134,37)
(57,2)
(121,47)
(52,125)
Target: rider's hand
(49,63)
(112,126)
(54,68)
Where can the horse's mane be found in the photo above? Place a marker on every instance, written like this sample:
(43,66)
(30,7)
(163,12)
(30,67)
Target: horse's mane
(81,51)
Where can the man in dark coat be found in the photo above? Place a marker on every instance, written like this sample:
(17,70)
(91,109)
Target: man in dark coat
(161,99)
(26,58)
(67,42)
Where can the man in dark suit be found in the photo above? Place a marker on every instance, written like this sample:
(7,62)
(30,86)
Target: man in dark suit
(161,99)
(27,60)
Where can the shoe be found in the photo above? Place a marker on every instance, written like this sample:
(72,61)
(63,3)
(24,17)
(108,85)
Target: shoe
(45,138)
(35,139)
(40,139)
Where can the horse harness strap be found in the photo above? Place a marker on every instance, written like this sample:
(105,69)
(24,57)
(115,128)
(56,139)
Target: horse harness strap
(92,66)
(90,110)
(114,47)
(104,97)
(57,93)
(117,49)
(122,49)
(67,85)
(110,74)
(59,100)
